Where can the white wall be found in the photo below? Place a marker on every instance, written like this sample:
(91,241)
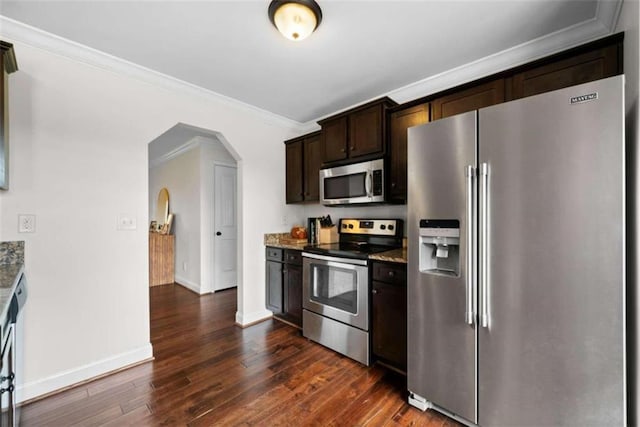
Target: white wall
(181,176)
(79,139)
(628,22)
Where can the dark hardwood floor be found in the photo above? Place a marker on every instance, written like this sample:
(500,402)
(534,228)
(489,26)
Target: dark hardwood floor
(207,371)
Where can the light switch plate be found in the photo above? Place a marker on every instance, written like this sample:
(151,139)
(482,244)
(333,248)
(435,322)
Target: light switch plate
(26,223)
(126,222)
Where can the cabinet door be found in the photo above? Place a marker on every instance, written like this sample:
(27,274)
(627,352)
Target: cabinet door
(312,162)
(470,99)
(389,323)
(294,185)
(293,293)
(274,286)
(399,122)
(589,66)
(334,139)
(365,132)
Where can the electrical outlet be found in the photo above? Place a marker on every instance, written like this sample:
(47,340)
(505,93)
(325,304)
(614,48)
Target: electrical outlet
(126,222)
(285,220)
(184,266)
(26,223)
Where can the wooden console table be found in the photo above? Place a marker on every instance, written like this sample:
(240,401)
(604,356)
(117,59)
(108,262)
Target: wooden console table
(161,259)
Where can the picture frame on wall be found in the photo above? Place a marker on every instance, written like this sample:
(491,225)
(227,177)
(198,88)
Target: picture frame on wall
(166,228)
(8,65)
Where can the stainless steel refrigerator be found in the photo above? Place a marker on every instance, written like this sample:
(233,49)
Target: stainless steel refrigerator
(516,269)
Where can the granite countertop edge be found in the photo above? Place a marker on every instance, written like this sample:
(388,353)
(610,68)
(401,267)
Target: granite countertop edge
(293,246)
(395,255)
(9,278)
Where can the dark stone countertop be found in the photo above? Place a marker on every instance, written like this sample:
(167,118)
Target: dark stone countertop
(9,276)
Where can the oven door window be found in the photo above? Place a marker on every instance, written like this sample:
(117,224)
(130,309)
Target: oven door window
(335,287)
(345,186)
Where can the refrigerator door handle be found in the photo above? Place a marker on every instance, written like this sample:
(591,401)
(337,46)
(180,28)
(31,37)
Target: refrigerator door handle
(484,285)
(470,312)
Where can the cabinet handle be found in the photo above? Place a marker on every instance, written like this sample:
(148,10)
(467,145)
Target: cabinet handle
(344,150)
(393,184)
(374,291)
(353,148)
(392,273)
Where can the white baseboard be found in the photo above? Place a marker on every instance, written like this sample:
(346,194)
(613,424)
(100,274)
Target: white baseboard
(245,319)
(65,379)
(192,286)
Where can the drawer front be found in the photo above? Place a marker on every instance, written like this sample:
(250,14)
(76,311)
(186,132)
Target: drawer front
(390,273)
(293,257)
(274,254)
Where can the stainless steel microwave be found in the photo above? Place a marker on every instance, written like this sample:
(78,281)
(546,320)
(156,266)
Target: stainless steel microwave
(353,184)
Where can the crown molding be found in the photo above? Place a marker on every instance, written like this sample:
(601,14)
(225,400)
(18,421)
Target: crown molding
(194,142)
(601,25)
(19,32)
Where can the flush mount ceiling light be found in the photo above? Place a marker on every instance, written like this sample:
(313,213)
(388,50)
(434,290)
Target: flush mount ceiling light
(295,19)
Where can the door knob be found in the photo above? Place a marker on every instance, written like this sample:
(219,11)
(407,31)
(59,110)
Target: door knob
(218,233)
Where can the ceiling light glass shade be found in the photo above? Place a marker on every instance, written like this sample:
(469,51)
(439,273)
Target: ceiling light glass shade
(296,20)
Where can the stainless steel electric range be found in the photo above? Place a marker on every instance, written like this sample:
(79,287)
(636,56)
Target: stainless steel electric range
(335,293)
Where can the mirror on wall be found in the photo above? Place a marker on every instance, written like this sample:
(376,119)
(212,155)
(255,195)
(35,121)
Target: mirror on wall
(162,207)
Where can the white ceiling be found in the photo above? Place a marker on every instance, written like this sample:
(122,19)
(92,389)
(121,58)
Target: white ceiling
(362,49)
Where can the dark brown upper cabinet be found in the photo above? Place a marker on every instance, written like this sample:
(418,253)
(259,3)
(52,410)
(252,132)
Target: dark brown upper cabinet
(334,137)
(356,134)
(399,122)
(303,161)
(295,189)
(581,68)
(312,154)
(473,98)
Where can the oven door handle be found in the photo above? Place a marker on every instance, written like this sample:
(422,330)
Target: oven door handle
(338,262)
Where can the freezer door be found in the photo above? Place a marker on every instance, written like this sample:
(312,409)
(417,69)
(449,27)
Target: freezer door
(441,344)
(554,349)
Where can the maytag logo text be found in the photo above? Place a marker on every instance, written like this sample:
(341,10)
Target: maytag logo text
(584,98)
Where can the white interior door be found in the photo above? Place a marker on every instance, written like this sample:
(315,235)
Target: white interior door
(225,227)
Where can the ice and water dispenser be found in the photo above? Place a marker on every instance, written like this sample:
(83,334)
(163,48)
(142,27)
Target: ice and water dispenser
(439,250)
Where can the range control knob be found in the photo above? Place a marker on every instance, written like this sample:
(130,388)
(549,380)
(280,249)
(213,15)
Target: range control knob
(383,227)
(350,226)
(344,225)
(391,227)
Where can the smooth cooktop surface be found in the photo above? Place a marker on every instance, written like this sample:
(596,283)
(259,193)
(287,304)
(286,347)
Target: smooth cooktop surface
(347,250)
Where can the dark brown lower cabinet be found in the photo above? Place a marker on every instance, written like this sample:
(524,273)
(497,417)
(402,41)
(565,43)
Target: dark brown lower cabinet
(284,284)
(274,279)
(293,294)
(389,314)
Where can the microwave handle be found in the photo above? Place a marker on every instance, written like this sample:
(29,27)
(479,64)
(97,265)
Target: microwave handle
(368,184)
